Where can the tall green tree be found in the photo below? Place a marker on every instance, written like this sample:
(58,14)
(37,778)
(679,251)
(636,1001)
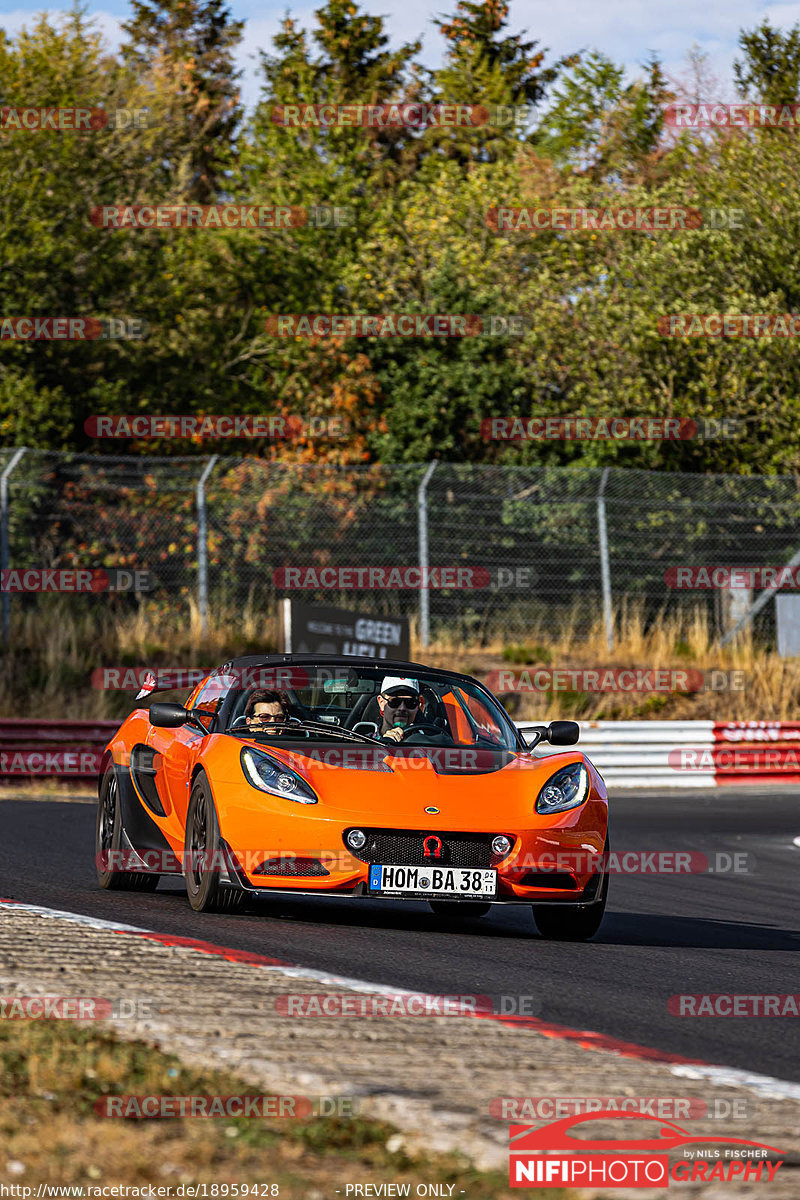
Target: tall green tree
(601,126)
(486,65)
(55,262)
(193,43)
(769,70)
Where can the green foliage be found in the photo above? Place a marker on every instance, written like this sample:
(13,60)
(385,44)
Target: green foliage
(770,69)
(484,67)
(418,240)
(193,43)
(526,654)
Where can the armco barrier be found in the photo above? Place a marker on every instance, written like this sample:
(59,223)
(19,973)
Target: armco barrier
(52,749)
(685,754)
(654,754)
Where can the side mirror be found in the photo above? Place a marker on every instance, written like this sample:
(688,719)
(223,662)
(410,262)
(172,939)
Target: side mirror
(557,733)
(563,733)
(167,715)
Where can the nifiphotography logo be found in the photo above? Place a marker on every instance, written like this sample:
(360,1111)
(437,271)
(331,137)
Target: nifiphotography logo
(557,1155)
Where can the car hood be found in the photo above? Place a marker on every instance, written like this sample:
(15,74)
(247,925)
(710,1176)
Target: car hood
(371,783)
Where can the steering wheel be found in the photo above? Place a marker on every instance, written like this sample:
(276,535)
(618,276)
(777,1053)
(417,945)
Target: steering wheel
(290,722)
(421,727)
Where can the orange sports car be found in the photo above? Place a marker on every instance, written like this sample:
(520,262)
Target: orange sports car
(354,777)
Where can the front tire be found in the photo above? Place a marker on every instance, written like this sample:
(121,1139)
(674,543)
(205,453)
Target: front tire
(203,856)
(108,842)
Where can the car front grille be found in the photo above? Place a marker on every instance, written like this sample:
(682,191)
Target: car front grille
(406,847)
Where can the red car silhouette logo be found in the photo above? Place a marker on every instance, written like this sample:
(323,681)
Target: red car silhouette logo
(558,1136)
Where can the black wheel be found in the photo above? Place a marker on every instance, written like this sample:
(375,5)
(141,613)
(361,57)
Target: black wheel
(108,843)
(573,924)
(455,908)
(203,856)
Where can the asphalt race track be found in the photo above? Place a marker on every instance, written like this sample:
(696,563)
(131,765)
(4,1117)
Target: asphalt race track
(663,934)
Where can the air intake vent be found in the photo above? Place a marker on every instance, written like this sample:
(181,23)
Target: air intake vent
(550,879)
(289,865)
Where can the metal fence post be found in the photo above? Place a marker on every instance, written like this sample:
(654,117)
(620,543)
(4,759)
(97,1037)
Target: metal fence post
(422,536)
(769,591)
(202,543)
(5,539)
(605,570)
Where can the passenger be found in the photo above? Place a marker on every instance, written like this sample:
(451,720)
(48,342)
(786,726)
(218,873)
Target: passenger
(266,713)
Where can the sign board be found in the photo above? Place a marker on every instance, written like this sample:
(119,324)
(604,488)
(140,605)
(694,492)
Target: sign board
(787,618)
(317,629)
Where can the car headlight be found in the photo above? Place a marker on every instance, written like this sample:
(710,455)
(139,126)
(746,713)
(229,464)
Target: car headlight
(271,776)
(568,788)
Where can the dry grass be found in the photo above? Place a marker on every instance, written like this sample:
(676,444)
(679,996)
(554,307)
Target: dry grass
(767,687)
(56,646)
(47,669)
(51,1074)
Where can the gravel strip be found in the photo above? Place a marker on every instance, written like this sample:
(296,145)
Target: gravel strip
(432,1077)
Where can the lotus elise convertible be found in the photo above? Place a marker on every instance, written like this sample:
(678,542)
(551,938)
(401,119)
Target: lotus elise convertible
(353,777)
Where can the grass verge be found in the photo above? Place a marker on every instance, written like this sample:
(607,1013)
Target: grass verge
(52,1073)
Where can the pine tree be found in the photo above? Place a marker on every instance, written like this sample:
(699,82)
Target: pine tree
(193,41)
(602,128)
(500,73)
(770,69)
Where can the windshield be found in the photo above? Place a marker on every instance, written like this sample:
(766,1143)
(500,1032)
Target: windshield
(348,704)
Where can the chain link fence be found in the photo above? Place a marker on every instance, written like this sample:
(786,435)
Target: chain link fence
(220,530)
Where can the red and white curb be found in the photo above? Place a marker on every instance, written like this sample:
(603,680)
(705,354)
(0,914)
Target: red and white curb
(764,1086)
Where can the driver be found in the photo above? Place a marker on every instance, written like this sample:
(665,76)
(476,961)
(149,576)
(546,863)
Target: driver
(266,712)
(400,702)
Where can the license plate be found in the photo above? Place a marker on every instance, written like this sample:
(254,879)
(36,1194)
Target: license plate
(433,881)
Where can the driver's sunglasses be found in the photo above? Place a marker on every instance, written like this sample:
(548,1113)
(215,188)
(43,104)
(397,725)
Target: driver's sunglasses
(267,717)
(409,702)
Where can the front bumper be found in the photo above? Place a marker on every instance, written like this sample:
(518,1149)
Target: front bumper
(561,864)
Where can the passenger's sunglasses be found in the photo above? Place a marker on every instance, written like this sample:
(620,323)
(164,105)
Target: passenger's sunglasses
(409,702)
